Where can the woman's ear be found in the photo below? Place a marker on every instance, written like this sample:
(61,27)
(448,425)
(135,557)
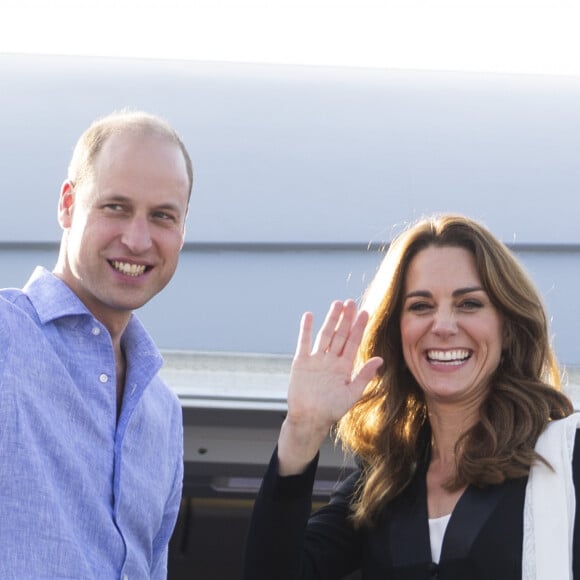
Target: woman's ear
(65,204)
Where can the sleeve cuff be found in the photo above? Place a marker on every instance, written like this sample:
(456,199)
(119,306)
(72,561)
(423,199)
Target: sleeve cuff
(289,487)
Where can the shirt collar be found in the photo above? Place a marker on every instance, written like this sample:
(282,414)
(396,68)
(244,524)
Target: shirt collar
(51,297)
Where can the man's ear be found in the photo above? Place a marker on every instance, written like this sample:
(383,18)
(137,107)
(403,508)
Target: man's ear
(65,204)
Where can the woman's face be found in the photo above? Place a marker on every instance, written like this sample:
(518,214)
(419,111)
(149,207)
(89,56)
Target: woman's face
(451,333)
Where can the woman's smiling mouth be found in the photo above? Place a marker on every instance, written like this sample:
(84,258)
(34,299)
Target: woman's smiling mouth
(450,357)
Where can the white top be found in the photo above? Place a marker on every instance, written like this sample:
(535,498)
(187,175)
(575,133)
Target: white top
(437,527)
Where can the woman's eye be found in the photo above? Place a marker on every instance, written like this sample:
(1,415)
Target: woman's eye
(419,306)
(470,304)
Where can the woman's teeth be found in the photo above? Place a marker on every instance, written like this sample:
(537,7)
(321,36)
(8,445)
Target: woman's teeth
(448,356)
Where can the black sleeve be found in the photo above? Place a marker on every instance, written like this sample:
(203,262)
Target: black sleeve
(286,542)
(576,476)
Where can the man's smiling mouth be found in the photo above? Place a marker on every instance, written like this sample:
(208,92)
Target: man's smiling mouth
(129,269)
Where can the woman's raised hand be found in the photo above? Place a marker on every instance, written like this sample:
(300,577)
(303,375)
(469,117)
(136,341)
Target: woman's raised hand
(323,385)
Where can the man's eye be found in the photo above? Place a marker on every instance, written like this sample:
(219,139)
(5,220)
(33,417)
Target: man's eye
(164,216)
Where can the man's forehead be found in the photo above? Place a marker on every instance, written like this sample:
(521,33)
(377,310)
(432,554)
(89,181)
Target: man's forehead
(130,142)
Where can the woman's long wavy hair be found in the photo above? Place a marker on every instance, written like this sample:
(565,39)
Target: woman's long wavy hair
(388,428)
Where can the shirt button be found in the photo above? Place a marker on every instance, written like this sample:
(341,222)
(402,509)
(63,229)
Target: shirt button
(126,577)
(103,378)
(96,331)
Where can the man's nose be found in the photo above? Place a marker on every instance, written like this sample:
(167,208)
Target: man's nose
(137,235)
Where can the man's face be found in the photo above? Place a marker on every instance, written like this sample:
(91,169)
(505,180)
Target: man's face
(124,229)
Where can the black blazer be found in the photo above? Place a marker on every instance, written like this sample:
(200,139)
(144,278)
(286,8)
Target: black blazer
(483,540)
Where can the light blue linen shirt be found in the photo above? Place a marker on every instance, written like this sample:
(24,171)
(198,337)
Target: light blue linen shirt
(82,496)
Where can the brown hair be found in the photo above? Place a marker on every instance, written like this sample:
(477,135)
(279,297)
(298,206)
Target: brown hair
(388,428)
(92,140)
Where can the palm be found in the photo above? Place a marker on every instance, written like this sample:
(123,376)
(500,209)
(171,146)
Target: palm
(322,385)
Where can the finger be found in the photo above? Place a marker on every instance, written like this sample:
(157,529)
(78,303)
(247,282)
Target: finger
(343,328)
(304,335)
(326,332)
(355,335)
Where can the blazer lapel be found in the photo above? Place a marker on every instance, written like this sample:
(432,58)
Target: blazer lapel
(408,530)
(467,520)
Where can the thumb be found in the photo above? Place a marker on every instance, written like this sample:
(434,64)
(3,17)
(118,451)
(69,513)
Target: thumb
(366,373)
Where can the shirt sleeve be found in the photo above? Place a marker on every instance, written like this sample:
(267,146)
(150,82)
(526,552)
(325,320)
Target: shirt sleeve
(161,541)
(285,541)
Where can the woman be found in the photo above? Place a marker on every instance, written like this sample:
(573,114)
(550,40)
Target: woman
(454,381)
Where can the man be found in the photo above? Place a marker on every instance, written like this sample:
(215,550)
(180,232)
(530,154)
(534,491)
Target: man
(90,437)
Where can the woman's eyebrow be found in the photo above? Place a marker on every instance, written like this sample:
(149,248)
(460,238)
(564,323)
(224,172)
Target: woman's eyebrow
(458,292)
(467,290)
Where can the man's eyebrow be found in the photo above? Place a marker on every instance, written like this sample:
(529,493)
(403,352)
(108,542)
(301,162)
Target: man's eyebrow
(167,207)
(117,197)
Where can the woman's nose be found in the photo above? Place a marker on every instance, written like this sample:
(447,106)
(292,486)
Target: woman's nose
(444,322)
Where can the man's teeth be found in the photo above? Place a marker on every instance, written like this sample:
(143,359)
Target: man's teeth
(128,269)
(448,356)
